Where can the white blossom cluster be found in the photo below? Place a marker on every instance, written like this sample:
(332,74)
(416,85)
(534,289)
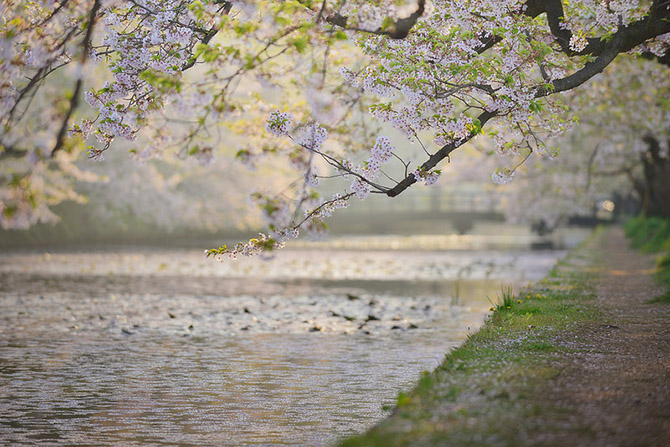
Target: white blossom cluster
(312,137)
(279,123)
(326,209)
(146,60)
(349,76)
(256,246)
(428,177)
(502,176)
(381,152)
(430,103)
(406,119)
(360,188)
(260,245)
(204,155)
(659,46)
(578,42)
(454,130)
(22,214)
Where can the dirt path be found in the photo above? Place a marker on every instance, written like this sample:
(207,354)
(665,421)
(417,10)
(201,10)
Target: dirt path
(615,391)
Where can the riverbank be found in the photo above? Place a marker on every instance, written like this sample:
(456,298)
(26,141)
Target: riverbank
(135,346)
(581,358)
(652,235)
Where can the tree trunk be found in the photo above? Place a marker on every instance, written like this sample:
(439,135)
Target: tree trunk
(656,191)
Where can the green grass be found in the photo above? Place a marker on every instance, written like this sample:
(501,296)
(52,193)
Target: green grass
(485,391)
(663,276)
(649,234)
(490,391)
(652,235)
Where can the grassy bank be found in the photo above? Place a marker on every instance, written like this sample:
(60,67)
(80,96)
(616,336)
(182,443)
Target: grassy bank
(486,391)
(652,235)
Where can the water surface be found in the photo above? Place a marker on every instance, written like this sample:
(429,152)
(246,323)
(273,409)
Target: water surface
(164,347)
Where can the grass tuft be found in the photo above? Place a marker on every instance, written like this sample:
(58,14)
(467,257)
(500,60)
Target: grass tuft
(504,301)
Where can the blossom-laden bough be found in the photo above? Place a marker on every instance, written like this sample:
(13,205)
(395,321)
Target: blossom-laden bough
(321,84)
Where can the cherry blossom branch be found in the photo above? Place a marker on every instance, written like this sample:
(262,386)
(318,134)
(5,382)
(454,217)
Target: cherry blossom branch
(318,209)
(209,35)
(337,164)
(74,101)
(39,76)
(438,156)
(395,30)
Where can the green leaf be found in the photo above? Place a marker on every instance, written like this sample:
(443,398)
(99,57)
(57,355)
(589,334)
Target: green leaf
(340,35)
(300,43)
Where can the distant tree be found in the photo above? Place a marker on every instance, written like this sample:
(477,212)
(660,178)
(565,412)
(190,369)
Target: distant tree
(326,79)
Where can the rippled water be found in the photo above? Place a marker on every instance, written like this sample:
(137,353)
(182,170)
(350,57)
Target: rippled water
(136,347)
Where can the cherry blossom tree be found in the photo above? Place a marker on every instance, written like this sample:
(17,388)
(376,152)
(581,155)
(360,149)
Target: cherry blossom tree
(319,87)
(619,149)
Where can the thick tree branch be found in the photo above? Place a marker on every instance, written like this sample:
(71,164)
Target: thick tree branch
(655,23)
(587,72)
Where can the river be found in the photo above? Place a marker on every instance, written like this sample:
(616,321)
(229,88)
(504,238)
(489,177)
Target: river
(138,346)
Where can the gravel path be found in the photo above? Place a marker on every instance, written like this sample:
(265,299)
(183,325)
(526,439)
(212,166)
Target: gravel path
(615,390)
